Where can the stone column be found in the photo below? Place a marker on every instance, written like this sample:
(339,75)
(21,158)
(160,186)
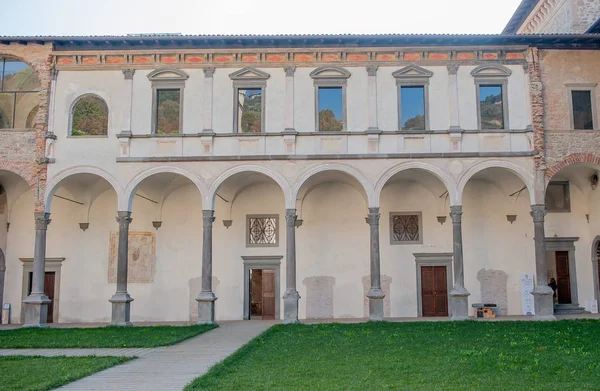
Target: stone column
(36,304)
(453,91)
(121,301)
(206,299)
(459,296)
(542,294)
(375,293)
(289,98)
(372,96)
(208,99)
(291,295)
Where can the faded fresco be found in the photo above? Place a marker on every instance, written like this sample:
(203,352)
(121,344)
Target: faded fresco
(142,257)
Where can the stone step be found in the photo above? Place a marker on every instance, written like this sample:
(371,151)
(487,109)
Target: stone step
(568,309)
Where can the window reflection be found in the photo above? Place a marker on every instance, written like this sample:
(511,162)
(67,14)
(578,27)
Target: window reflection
(249,110)
(491,108)
(412,104)
(330,108)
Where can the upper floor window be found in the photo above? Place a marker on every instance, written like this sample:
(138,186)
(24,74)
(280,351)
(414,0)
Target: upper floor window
(413,96)
(19,87)
(558,197)
(89,116)
(249,87)
(583,110)
(492,107)
(330,98)
(167,100)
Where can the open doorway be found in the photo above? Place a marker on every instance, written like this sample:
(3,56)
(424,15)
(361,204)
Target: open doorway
(261,287)
(562,274)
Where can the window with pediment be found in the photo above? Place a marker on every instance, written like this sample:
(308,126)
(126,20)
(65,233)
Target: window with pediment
(413,97)
(491,82)
(249,87)
(19,87)
(330,98)
(167,100)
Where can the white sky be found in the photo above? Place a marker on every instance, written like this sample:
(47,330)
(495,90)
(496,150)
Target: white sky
(118,17)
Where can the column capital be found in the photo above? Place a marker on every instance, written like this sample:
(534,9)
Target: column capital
(456,213)
(53,74)
(538,212)
(452,69)
(208,71)
(290,217)
(372,70)
(208,217)
(373,216)
(290,70)
(42,220)
(124,219)
(128,73)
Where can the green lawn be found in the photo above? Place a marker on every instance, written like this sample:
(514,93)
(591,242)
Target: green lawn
(101,337)
(45,373)
(469,355)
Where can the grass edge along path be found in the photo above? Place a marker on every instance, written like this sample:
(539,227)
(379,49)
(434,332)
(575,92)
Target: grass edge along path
(99,337)
(416,356)
(36,373)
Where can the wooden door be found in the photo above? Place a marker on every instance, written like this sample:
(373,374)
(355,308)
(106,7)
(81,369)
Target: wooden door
(268,294)
(563,280)
(49,279)
(434,291)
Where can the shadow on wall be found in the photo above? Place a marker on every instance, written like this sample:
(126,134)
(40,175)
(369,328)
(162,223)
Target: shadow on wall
(493,288)
(195,285)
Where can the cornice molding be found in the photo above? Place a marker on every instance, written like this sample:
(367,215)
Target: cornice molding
(540,15)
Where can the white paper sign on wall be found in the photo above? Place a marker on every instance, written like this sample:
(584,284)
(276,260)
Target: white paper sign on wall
(591,306)
(526,296)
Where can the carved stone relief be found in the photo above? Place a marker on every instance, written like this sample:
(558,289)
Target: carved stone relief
(141,257)
(493,288)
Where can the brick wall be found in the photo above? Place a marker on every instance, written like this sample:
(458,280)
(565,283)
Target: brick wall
(22,152)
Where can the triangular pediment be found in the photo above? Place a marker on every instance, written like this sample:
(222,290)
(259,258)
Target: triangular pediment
(491,70)
(412,71)
(330,73)
(169,74)
(249,74)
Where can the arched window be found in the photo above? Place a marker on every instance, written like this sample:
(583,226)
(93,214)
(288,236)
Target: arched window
(19,87)
(89,117)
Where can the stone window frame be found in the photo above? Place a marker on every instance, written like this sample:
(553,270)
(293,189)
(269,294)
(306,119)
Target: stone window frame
(258,216)
(391,225)
(331,76)
(413,76)
(554,244)
(433,259)
(72,109)
(591,87)
(249,78)
(166,79)
(567,194)
(492,75)
(263,262)
(51,265)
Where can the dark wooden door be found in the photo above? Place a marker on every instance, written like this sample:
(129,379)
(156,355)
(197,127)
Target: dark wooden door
(434,291)
(563,280)
(268,294)
(49,279)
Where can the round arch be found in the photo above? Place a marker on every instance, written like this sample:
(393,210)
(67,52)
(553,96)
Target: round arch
(526,177)
(573,158)
(55,182)
(37,68)
(88,94)
(127,199)
(444,177)
(275,176)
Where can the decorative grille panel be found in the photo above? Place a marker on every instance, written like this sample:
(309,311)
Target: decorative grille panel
(262,231)
(406,228)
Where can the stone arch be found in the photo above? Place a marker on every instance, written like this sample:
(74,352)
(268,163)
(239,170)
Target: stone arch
(442,175)
(571,159)
(103,98)
(134,183)
(38,68)
(524,175)
(55,182)
(209,199)
(366,185)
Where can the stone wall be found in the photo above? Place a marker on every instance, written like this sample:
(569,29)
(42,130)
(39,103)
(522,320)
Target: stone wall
(22,152)
(561,17)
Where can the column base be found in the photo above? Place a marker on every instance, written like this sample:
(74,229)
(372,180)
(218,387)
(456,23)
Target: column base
(206,308)
(459,303)
(121,309)
(543,302)
(36,310)
(375,296)
(290,306)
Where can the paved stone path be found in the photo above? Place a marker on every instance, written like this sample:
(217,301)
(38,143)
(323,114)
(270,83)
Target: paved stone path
(160,369)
